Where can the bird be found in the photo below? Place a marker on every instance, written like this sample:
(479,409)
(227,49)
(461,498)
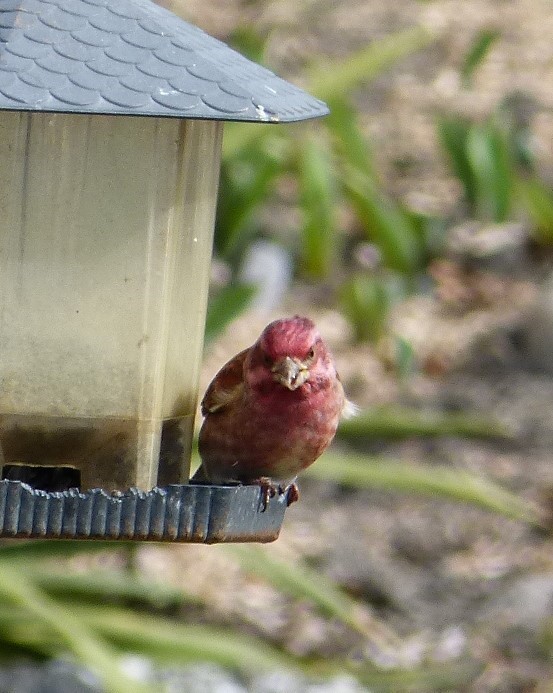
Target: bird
(271,411)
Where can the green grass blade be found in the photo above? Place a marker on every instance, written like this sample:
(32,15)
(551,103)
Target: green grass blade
(537,200)
(39,550)
(489,157)
(385,224)
(107,585)
(478,50)
(11,652)
(350,142)
(358,471)
(169,641)
(300,582)
(365,302)
(453,133)
(332,81)
(69,630)
(396,423)
(245,183)
(431,678)
(224,306)
(317,200)
(160,639)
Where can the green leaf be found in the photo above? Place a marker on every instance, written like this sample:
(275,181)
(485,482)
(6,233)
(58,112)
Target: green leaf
(359,471)
(299,581)
(225,305)
(537,199)
(453,133)
(169,641)
(405,358)
(350,142)
(334,80)
(71,633)
(489,158)
(396,423)
(106,585)
(365,302)
(38,549)
(317,200)
(246,179)
(385,224)
(478,50)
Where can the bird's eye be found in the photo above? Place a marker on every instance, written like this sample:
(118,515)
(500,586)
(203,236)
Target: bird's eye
(311,353)
(267,360)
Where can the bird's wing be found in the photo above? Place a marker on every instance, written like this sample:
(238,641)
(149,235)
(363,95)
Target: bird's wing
(226,386)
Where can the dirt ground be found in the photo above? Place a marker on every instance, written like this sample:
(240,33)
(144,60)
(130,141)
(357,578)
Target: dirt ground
(453,581)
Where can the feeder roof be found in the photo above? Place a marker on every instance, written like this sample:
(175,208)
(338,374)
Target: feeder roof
(132,57)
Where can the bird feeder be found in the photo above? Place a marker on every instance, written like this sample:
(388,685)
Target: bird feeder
(111,118)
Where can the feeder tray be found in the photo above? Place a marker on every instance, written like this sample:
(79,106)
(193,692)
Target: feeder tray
(178,513)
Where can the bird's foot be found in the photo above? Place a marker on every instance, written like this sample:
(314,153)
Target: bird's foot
(292,493)
(269,490)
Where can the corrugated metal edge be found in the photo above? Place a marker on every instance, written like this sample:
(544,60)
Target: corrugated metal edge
(179,513)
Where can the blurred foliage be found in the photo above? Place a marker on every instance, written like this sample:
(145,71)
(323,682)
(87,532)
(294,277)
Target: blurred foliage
(537,198)
(398,423)
(478,50)
(365,301)
(323,168)
(481,158)
(326,171)
(303,583)
(494,163)
(361,471)
(493,158)
(98,617)
(224,306)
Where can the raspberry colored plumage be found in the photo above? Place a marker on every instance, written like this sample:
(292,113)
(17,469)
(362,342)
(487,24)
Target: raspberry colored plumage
(271,410)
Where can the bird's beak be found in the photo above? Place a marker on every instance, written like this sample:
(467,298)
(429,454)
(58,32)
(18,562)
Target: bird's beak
(292,373)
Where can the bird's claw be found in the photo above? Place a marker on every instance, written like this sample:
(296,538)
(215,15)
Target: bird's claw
(292,494)
(269,490)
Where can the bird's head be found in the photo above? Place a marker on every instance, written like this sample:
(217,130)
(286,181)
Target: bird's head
(288,352)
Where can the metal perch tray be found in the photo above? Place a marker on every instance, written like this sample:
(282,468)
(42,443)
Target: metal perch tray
(178,513)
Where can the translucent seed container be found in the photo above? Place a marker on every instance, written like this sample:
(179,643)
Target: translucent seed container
(106,229)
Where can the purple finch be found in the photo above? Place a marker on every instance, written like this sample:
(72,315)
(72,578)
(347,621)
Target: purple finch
(271,410)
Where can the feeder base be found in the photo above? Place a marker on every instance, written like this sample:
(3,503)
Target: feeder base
(176,513)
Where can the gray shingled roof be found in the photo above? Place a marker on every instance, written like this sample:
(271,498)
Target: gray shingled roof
(132,57)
